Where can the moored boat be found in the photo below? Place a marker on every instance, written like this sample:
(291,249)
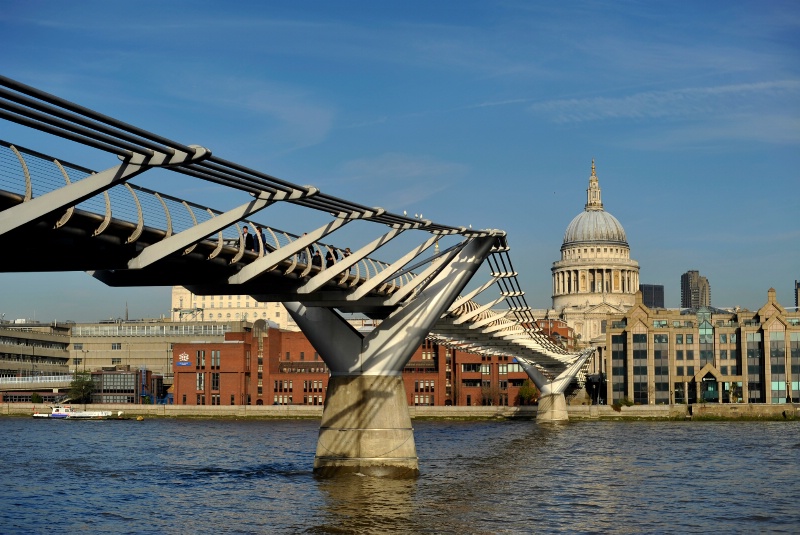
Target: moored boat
(66,412)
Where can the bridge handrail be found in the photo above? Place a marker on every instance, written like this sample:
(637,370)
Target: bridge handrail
(124,206)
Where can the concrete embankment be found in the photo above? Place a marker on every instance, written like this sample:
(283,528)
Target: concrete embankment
(701,411)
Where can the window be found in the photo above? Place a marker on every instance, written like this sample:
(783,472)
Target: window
(200,381)
(215,382)
(723,338)
(302,355)
(689,338)
(288,355)
(640,390)
(116,361)
(77,347)
(679,339)
(116,346)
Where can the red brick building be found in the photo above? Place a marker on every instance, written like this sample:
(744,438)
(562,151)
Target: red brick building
(282,367)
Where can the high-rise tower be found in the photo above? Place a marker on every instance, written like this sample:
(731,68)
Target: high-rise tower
(695,290)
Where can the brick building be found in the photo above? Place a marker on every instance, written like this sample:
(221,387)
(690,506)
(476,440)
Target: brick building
(265,366)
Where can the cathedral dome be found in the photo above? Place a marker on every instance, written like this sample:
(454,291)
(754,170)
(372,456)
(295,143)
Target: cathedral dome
(594,225)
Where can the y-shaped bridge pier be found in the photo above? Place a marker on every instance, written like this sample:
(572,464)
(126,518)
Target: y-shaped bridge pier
(58,216)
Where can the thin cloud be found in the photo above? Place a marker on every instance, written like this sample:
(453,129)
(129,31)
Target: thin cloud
(289,116)
(404,179)
(688,102)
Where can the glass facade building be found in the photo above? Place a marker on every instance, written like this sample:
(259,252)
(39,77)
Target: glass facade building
(660,356)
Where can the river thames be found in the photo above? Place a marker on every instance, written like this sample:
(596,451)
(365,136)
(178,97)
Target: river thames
(233,476)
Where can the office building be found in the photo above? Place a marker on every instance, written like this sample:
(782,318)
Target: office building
(704,355)
(797,294)
(652,295)
(187,306)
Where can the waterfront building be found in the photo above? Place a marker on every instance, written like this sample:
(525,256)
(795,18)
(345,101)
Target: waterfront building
(128,386)
(703,355)
(226,308)
(695,290)
(652,295)
(595,275)
(29,349)
(33,356)
(262,365)
(138,344)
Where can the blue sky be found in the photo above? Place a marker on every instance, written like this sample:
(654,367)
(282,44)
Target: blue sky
(482,113)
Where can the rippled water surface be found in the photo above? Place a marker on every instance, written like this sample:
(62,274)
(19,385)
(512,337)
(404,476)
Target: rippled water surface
(206,476)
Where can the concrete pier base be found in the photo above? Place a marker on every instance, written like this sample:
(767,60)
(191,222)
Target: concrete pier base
(552,408)
(366,428)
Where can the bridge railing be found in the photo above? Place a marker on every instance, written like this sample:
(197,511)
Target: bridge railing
(35,380)
(28,173)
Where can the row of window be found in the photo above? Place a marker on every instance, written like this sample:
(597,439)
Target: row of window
(187,329)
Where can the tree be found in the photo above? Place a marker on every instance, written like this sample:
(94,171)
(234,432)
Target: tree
(527,393)
(36,398)
(81,388)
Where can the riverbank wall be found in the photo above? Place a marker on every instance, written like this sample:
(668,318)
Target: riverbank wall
(698,411)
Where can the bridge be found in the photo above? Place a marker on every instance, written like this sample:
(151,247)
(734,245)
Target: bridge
(60,216)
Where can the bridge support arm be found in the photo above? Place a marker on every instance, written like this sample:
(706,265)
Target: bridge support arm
(365,424)
(184,239)
(552,402)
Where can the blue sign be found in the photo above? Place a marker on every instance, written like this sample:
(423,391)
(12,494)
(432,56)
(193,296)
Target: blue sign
(183,363)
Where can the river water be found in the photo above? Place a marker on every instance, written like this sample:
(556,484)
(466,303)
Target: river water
(225,476)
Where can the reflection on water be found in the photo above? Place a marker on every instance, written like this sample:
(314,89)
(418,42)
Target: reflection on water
(197,476)
(366,504)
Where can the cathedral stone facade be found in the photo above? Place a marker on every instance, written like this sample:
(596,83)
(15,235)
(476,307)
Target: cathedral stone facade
(595,276)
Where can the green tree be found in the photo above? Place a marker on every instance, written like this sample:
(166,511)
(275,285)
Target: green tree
(81,388)
(36,398)
(527,393)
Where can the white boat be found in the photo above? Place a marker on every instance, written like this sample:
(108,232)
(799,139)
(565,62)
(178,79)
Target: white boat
(68,413)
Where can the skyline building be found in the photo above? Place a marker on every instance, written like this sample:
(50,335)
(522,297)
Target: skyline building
(797,294)
(695,290)
(225,308)
(652,295)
